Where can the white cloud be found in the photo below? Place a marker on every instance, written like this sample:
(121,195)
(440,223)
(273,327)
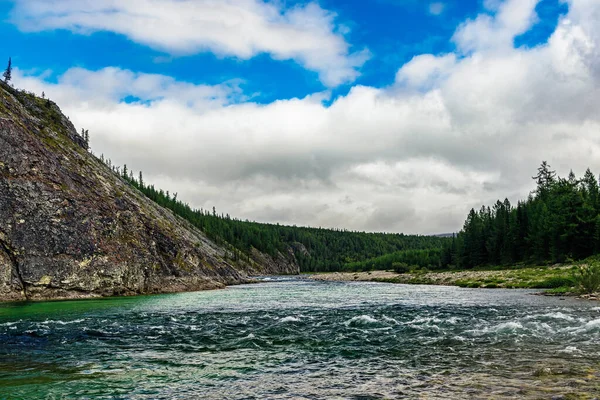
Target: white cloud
(437,8)
(487,32)
(426,71)
(453,132)
(307,34)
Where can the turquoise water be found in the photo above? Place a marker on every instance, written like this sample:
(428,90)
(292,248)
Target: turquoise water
(295,338)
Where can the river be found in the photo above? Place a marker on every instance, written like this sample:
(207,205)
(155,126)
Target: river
(300,339)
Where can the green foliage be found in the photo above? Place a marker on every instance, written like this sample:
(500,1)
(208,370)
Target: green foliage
(419,258)
(316,249)
(400,267)
(558,279)
(587,277)
(558,223)
(555,283)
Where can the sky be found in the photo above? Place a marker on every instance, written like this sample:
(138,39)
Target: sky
(380,115)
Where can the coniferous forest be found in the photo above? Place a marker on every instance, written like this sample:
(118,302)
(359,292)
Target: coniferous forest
(559,222)
(316,249)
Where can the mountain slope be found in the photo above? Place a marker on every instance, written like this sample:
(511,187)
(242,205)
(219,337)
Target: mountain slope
(70,227)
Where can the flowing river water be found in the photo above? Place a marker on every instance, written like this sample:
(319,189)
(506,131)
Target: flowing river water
(302,339)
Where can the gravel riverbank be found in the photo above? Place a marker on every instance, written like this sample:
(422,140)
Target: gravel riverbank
(557,277)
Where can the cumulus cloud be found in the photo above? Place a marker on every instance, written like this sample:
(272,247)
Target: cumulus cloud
(454,131)
(495,32)
(426,71)
(307,33)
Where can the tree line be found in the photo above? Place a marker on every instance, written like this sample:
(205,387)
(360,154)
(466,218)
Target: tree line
(401,261)
(316,249)
(559,222)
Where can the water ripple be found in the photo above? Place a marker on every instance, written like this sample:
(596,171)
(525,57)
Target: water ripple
(299,339)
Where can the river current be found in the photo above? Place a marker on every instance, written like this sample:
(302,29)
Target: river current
(300,339)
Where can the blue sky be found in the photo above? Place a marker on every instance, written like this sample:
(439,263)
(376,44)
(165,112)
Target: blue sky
(380,115)
(394,31)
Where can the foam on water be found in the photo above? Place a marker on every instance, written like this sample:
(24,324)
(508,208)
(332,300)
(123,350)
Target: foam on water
(361,319)
(389,319)
(552,315)
(59,322)
(593,325)
(289,319)
(570,350)
(507,326)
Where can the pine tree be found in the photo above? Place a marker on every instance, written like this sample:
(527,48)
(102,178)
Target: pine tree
(544,179)
(8,72)
(597,235)
(590,188)
(85,136)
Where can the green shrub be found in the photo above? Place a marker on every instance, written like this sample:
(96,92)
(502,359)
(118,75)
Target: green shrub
(415,269)
(587,277)
(555,282)
(400,267)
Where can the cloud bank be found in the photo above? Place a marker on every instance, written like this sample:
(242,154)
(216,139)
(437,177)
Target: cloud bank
(454,130)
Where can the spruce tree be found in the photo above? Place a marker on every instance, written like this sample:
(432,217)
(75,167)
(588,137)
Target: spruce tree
(8,72)
(544,179)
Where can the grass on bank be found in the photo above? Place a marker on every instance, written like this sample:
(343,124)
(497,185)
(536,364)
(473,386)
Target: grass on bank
(582,278)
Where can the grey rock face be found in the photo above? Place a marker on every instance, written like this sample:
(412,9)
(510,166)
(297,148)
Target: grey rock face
(70,227)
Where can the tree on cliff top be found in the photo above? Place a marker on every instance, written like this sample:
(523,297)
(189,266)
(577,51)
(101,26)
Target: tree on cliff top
(8,72)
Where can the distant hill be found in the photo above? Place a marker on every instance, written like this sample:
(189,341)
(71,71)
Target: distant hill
(315,249)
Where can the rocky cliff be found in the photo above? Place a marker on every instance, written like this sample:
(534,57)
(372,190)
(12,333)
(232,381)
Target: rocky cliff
(71,228)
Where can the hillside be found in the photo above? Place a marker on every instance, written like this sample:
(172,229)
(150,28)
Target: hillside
(314,249)
(72,228)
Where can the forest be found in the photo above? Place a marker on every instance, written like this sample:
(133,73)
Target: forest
(316,249)
(559,222)
(401,261)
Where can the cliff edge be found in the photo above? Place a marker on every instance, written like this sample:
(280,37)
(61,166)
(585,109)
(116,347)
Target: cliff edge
(72,228)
